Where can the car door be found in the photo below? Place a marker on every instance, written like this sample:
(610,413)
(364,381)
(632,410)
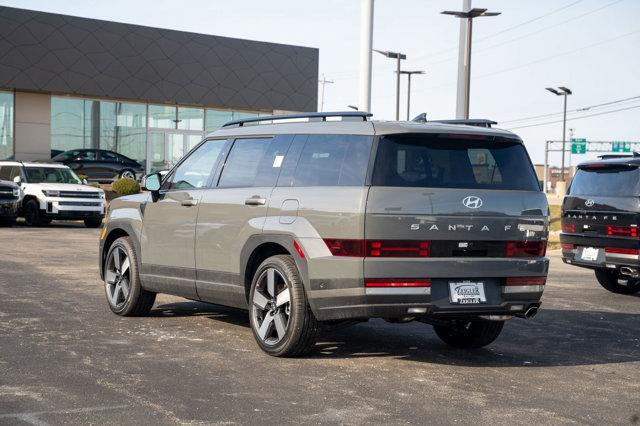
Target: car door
(169,223)
(234,212)
(110,164)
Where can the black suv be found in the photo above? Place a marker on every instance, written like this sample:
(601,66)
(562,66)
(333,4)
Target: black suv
(100,165)
(9,201)
(601,222)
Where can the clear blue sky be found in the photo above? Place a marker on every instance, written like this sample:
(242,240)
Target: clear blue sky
(590,46)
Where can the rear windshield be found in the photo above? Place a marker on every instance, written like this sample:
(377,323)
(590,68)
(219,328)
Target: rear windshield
(442,161)
(610,182)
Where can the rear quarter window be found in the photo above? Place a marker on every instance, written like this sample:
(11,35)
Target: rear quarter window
(442,161)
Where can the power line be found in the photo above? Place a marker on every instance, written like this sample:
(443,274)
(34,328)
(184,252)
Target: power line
(532,117)
(575,118)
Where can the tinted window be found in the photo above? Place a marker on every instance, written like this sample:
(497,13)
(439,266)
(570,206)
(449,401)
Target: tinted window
(5,172)
(440,161)
(245,163)
(333,160)
(194,171)
(110,156)
(610,182)
(87,155)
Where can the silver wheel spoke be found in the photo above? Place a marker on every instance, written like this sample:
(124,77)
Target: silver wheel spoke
(116,258)
(280,323)
(115,294)
(259,300)
(271,282)
(283,297)
(110,277)
(125,265)
(124,286)
(265,327)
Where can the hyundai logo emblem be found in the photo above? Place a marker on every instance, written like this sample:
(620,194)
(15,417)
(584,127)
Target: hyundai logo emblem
(472,202)
(589,203)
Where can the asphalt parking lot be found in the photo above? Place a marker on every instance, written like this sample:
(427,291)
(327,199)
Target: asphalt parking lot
(65,358)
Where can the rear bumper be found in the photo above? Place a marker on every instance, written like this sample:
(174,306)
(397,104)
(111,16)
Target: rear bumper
(611,261)
(344,298)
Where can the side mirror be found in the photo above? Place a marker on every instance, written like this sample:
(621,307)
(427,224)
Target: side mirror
(17,179)
(152,182)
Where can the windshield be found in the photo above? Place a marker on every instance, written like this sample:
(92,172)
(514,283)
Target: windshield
(618,181)
(447,161)
(51,175)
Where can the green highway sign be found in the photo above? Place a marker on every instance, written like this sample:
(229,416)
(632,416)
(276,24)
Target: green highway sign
(578,145)
(620,146)
(578,148)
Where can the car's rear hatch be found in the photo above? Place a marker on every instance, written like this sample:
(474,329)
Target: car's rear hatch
(602,210)
(455,207)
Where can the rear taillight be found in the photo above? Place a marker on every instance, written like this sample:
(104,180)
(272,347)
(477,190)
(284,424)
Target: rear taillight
(622,231)
(615,250)
(397,248)
(339,247)
(511,281)
(526,248)
(569,227)
(568,246)
(378,248)
(397,282)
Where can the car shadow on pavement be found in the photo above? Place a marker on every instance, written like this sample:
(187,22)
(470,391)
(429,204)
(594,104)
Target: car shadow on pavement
(554,338)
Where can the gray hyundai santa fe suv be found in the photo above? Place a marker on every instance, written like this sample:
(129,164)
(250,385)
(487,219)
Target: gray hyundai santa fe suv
(338,219)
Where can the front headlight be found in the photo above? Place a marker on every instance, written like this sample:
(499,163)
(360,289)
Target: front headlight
(50,193)
(16,192)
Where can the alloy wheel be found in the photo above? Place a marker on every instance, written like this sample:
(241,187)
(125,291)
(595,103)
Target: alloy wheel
(128,174)
(117,277)
(271,307)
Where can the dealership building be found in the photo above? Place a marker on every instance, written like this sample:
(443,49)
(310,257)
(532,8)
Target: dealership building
(148,93)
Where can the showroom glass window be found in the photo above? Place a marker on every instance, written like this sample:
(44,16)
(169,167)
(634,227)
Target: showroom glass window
(6,125)
(67,123)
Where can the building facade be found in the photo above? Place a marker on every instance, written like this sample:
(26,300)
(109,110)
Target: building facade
(148,93)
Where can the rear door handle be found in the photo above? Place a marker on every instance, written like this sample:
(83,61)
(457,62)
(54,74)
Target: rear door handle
(255,201)
(189,202)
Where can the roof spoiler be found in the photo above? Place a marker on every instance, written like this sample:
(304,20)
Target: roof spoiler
(478,122)
(608,156)
(312,116)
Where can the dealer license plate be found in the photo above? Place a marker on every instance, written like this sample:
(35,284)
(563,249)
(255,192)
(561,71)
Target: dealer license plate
(590,254)
(467,292)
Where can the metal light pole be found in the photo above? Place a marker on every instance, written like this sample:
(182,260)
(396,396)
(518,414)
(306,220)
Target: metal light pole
(398,57)
(324,82)
(562,91)
(409,74)
(462,107)
(366,43)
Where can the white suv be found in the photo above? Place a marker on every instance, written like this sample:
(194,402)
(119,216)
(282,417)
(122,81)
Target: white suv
(54,191)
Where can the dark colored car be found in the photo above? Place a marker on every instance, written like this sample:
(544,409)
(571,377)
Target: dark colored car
(100,165)
(9,202)
(601,222)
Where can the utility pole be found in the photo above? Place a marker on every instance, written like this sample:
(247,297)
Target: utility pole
(409,74)
(398,57)
(323,82)
(366,44)
(464,58)
(562,91)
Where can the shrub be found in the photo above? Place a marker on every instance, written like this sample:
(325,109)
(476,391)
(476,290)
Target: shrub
(125,187)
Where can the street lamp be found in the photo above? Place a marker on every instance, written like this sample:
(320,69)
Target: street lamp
(562,91)
(398,57)
(469,15)
(409,74)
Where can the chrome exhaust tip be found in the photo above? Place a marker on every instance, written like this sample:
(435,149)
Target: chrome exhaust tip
(531,312)
(630,272)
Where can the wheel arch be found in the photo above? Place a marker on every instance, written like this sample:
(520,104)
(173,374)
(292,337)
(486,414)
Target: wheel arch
(259,248)
(113,233)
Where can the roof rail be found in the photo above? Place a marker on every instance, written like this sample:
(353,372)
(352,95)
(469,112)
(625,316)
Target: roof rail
(312,116)
(478,122)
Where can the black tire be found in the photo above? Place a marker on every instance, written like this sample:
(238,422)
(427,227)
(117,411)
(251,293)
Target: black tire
(302,328)
(612,281)
(93,222)
(127,174)
(469,334)
(32,213)
(138,301)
